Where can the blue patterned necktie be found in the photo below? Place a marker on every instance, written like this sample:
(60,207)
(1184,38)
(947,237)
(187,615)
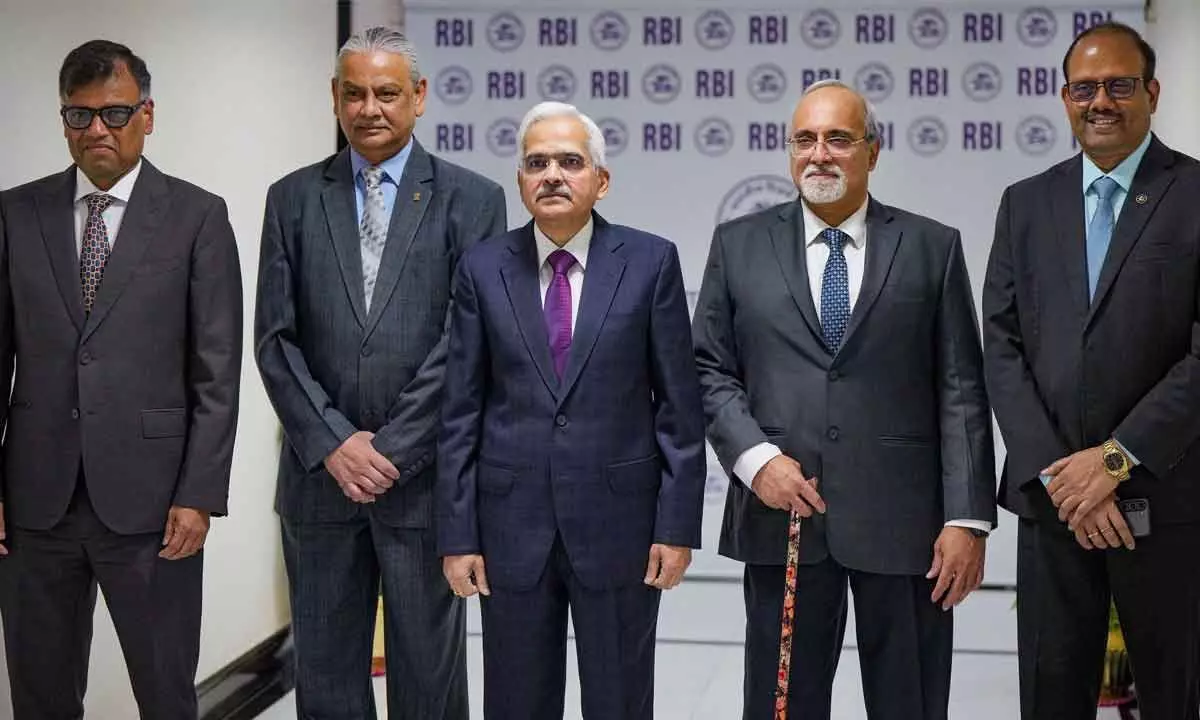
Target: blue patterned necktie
(373,231)
(558,309)
(93,249)
(1099,232)
(835,290)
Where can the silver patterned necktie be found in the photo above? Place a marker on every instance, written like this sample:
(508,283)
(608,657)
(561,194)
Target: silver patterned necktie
(93,248)
(373,230)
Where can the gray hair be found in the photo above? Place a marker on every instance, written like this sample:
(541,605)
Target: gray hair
(547,110)
(871,119)
(380,39)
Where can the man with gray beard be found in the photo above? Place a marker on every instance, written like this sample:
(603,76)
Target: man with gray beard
(836,338)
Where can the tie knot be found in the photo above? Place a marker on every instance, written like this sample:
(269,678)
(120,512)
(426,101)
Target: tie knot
(1104,187)
(98,203)
(373,174)
(836,239)
(561,261)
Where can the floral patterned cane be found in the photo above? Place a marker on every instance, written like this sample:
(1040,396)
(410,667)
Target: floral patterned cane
(789,611)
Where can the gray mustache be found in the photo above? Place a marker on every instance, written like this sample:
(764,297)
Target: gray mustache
(554,193)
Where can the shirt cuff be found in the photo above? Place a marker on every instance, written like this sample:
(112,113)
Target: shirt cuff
(750,462)
(983,525)
(1133,461)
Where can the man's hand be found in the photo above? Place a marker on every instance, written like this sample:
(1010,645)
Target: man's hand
(667,565)
(958,558)
(781,484)
(3,536)
(1080,484)
(466,575)
(1104,527)
(186,530)
(360,471)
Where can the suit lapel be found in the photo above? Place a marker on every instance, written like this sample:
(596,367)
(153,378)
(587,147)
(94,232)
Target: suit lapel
(147,207)
(56,212)
(520,275)
(883,239)
(1066,202)
(413,194)
(787,238)
(600,281)
(1150,183)
(341,215)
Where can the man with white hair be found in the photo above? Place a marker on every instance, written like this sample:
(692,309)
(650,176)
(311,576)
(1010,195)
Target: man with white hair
(836,338)
(571,461)
(358,252)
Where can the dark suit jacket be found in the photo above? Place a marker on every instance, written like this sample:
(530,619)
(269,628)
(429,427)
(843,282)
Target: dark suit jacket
(142,393)
(611,458)
(330,368)
(1064,374)
(896,426)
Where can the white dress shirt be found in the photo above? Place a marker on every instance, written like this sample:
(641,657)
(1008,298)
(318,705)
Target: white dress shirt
(115,213)
(577,246)
(750,462)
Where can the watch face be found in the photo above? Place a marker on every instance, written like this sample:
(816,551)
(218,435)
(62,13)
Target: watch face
(1113,461)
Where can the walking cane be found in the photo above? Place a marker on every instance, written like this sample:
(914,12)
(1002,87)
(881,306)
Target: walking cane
(789,610)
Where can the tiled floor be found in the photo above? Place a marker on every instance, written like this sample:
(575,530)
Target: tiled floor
(702,681)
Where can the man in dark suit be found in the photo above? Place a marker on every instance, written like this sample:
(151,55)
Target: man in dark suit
(358,254)
(121,307)
(836,338)
(572,451)
(1092,335)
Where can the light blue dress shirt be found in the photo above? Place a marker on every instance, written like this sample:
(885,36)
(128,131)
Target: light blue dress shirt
(1122,173)
(393,170)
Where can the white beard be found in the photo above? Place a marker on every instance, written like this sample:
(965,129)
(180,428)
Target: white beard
(821,191)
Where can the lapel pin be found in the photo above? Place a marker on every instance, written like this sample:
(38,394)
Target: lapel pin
(1142,199)
(417,197)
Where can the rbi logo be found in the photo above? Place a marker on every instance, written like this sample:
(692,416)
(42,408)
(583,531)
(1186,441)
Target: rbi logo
(928,28)
(505,32)
(502,137)
(820,29)
(927,136)
(556,83)
(661,84)
(753,194)
(1036,135)
(768,83)
(453,85)
(981,81)
(609,30)
(616,136)
(874,82)
(714,30)
(1037,27)
(714,137)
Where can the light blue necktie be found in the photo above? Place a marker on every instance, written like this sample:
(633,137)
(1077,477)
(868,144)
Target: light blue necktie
(1099,232)
(835,290)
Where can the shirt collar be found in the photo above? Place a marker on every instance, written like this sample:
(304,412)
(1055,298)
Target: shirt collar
(855,226)
(1122,173)
(393,167)
(577,245)
(120,191)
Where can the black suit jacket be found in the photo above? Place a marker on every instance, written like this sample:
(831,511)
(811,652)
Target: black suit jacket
(330,368)
(1065,374)
(896,425)
(142,393)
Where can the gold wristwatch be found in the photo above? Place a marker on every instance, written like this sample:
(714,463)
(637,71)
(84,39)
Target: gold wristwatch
(1116,462)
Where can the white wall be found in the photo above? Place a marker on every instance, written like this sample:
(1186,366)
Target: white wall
(1172,28)
(242,96)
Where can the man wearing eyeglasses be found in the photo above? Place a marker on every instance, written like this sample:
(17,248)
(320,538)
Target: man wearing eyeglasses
(1092,332)
(571,460)
(121,309)
(841,364)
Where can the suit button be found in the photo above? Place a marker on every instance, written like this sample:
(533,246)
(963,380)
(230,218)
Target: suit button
(834,375)
(85,358)
(833,433)
(74,413)
(560,420)
(366,351)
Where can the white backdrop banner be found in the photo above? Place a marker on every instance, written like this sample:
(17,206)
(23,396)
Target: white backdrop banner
(694,101)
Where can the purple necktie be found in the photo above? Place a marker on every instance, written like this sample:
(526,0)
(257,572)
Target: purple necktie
(558,309)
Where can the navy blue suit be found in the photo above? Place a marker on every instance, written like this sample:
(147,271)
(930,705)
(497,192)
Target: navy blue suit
(563,486)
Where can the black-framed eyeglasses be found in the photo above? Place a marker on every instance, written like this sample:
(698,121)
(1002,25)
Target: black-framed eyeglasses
(568,162)
(79,117)
(1118,88)
(837,145)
